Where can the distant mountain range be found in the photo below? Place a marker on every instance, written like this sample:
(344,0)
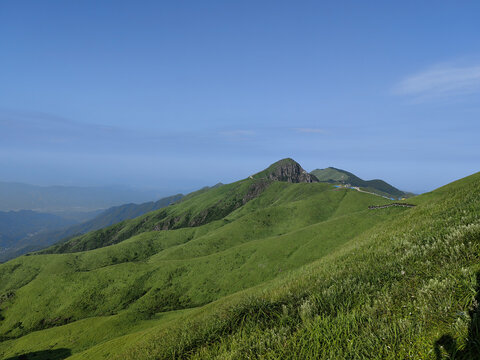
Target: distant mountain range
(15,225)
(27,231)
(380,187)
(18,196)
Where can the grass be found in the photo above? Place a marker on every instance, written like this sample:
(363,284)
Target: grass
(341,176)
(195,209)
(301,271)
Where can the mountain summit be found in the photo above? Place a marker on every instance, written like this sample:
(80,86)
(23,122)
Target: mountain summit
(287,170)
(333,175)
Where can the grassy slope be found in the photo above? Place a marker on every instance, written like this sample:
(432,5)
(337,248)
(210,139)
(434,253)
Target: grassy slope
(406,287)
(125,286)
(195,209)
(330,174)
(377,186)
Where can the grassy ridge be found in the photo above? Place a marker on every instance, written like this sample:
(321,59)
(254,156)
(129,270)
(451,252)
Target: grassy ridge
(287,226)
(300,271)
(196,209)
(406,289)
(377,186)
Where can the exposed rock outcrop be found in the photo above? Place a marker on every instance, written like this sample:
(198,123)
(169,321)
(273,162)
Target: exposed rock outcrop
(255,190)
(286,170)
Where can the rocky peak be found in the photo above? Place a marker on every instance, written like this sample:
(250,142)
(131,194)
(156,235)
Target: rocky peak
(286,170)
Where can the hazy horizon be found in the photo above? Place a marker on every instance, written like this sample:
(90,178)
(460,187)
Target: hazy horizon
(152,95)
(190,187)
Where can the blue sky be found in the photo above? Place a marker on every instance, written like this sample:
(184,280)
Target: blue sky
(175,95)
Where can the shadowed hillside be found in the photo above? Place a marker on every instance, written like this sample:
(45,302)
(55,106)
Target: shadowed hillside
(15,225)
(42,239)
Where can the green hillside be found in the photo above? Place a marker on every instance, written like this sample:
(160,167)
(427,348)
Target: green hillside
(377,186)
(258,269)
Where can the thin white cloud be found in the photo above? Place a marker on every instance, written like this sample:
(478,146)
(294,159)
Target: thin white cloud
(38,121)
(238,133)
(440,82)
(310,130)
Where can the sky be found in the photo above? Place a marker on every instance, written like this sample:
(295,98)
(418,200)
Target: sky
(175,95)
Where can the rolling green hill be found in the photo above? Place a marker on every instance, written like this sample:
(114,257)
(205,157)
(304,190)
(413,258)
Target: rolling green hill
(259,268)
(377,186)
(197,209)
